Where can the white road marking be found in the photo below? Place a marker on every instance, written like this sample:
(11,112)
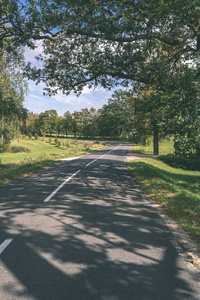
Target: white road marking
(60,186)
(5,244)
(68,179)
(102,156)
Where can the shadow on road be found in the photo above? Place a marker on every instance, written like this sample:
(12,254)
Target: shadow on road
(98,238)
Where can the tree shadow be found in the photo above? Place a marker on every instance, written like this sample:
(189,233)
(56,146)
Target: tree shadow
(98,238)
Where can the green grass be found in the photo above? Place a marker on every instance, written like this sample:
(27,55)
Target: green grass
(43,154)
(165,147)
(176,190)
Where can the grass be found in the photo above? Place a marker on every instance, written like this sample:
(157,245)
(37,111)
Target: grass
(176,190)
(44,153)
(165,147)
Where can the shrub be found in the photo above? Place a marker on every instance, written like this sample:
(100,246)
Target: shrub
(67,144)
(50,140)
(4,147)
(16,149)
(36,136)
(185,163)
(59,143)
(56,140)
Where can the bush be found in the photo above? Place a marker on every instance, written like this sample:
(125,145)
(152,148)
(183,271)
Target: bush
(36,136)
(185,163)
(4,147)
(59,143)
(56,140)
(16,149)
(30,136)
(50,140)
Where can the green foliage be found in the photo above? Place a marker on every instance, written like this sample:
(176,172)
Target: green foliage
(30,136)
(101,43)
(185,163)
(56,140)
(4,147)
(12,90)
(114,118)
(16,149)
(36,136)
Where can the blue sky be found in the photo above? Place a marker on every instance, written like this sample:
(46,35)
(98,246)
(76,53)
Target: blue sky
(36,102)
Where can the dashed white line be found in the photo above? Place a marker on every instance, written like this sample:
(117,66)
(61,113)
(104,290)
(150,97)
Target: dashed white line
(69,178)
(102,156)
(5,244)
(60,186)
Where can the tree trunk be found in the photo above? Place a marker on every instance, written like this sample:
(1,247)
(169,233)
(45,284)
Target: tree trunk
(155,141)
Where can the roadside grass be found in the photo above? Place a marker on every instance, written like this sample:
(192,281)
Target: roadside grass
(176,190)
(44,153)
(165,147)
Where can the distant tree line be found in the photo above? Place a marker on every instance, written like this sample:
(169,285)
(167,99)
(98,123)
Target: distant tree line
(112,121)
(135,117)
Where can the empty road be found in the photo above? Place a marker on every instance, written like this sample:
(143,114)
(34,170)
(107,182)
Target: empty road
(83,230)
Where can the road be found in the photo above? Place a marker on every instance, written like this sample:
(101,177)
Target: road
(83,230)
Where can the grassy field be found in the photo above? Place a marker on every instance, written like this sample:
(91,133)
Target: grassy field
(43,153)
(174,189)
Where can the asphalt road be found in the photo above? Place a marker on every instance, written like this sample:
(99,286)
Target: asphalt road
(83,230)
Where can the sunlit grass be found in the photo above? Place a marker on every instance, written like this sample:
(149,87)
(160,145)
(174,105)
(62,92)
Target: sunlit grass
(44,153)
(165,147)
(176,190)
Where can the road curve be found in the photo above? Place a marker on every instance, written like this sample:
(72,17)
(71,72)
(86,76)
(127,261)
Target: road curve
(83,230)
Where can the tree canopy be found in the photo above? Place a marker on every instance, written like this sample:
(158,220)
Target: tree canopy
(12,90)
(100,42)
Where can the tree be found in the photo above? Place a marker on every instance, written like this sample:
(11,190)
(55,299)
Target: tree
(75,122)
(31,124)
(100,42)
(12,90)
(52,118)
(93,126)
(59,125)
(170,106)
(43,123)
(67,122)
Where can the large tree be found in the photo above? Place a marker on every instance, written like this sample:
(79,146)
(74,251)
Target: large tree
(170,106)
(100,42)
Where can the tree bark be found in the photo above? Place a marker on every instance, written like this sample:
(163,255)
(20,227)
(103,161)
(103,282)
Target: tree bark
(155,141)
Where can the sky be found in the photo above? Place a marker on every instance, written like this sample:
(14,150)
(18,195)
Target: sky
(36,102)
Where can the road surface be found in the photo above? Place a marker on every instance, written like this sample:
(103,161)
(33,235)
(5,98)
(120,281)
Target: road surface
(83,230)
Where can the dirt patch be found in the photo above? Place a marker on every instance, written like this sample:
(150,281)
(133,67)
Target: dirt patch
(133,155)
